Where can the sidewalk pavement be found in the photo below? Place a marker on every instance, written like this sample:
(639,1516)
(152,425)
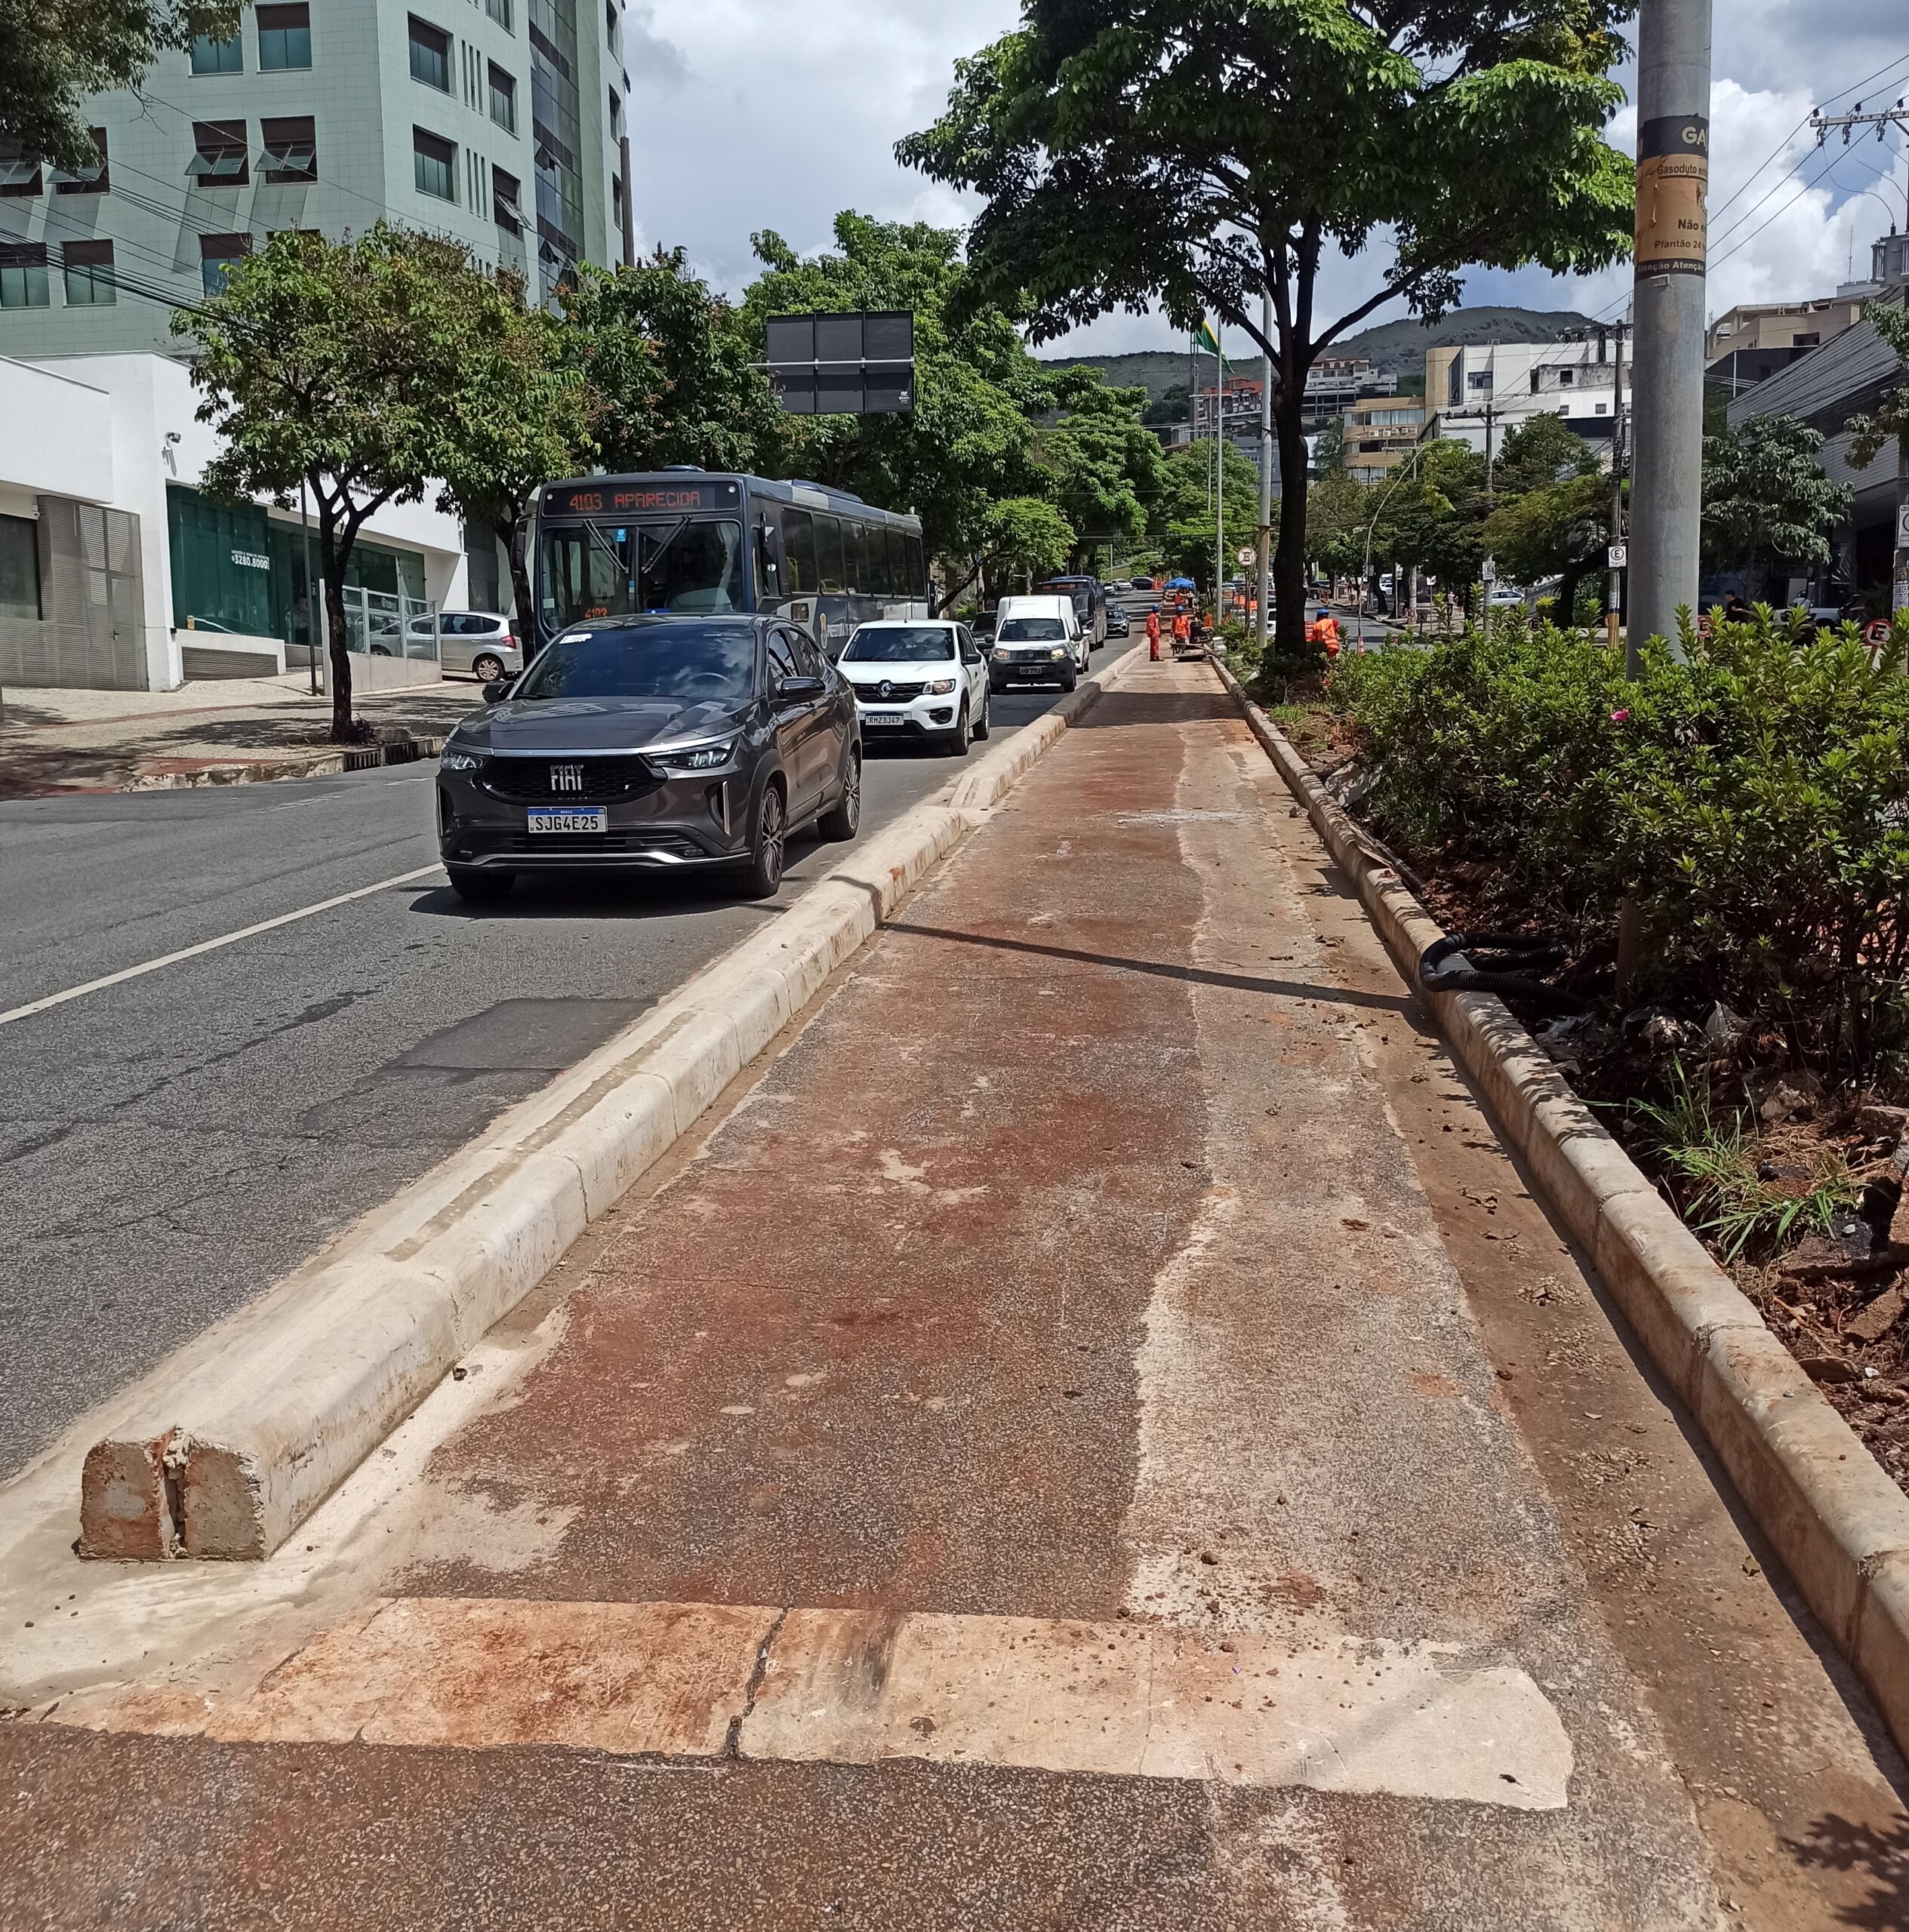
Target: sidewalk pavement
(213,733)
(1100,1434)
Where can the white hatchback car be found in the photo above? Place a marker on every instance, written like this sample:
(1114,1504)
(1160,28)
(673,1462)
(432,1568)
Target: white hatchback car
(918,677)
(479,643)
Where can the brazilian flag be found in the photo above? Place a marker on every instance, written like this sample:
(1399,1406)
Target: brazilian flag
(1207,338)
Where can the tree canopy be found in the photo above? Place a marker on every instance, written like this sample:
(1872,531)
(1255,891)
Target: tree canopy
(1766,501)
(55,53)
(1194,152)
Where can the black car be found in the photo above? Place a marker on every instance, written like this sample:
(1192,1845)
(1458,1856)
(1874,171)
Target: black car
(658,744)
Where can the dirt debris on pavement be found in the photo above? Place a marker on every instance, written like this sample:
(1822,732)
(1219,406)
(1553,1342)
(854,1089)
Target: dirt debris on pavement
(1116,1261)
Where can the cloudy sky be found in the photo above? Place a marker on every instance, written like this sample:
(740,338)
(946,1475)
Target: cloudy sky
(754,114)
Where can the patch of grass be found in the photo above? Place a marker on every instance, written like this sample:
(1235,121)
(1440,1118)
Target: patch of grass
(1713,1163)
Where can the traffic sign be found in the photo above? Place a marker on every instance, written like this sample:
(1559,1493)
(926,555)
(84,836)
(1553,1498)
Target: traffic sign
(861,363)
(1902,526)
(1617,556)
(1877,630)
(1248,554)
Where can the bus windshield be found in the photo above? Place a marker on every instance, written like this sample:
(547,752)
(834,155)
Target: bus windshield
(675,564)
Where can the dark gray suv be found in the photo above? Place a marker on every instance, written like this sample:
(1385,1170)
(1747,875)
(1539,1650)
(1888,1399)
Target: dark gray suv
(654,743)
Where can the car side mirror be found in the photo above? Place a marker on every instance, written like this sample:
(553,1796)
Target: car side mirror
(971,654)
(791,690)
(497,690)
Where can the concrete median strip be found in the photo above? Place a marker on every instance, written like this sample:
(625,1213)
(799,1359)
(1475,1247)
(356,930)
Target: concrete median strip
(227,1462)
(1839,1523)
(860,1687)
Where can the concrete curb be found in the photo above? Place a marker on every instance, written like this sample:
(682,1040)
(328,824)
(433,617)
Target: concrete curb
(1839,1522)
(236,1455)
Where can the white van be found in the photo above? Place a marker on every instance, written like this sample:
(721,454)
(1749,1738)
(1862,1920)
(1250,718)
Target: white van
(1027,631)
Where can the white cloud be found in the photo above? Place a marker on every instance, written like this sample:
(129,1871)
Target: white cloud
(752,114)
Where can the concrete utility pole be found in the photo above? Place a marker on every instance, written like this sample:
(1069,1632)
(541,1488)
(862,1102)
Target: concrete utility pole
(1265,577)
(1219,479)
(1666,442)
(1614,580)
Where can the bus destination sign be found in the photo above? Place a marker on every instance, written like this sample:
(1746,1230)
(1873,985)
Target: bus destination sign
(657,499)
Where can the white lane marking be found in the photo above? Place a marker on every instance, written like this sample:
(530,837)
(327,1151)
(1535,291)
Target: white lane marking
(210,946)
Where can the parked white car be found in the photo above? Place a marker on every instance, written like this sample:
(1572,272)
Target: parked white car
(1026,631)
(479,644)
(918,677)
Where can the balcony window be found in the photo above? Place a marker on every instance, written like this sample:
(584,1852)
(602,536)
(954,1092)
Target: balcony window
(434,165)
(290,149)
(88,267)
(506,201)
(503,98)
(284,37)
(217,253)
(499,12)
(218,57)
(92,180)
(219,154)
(20,178)
(22,275)
(430,55)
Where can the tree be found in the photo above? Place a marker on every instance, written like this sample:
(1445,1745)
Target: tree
(1023,537)
(521,418)
(1766,501)
(1106,464)
(337,365)
(1558,530)
(55,53)
(1185,516)
(970,441)
(1337,514)
(670,370)
(1194,152)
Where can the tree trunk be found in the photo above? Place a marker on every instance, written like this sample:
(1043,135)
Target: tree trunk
(520,586)
(1289,558)
(1567,583)
(335,555)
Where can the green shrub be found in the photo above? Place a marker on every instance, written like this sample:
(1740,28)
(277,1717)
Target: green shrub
(1750,790)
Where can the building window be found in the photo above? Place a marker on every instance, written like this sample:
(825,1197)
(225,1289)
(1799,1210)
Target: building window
(499,12)
(219,154)
(1808,339)
(1566,377)
(503,98)
(88,267)
(430,55)
(291,149)
(434,165)
(22,275)
(92,180)
(217,253)
(218,57)
(506,201)
(19,176)
(20,568)
(284,37)
(1480,379)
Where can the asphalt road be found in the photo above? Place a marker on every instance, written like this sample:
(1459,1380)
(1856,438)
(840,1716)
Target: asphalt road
(171,1145)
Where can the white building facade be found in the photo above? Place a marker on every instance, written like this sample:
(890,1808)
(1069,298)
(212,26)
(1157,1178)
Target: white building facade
(496,122)
(1479,389)
(116,572)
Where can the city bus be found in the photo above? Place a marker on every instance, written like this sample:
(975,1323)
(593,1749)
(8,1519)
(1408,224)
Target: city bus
(697,542)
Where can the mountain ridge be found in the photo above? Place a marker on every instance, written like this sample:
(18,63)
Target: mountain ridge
(1396,348)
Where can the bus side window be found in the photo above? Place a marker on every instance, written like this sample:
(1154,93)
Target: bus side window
(798,553)
(894,545)
(863,546)
(829,576)
(917,575)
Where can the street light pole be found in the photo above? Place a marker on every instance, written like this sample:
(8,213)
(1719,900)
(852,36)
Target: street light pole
(1666,441)
(1265,474)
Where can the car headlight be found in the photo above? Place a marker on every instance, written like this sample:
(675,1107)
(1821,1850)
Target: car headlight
(454,758)
(697,757)
(939,687)
(1059,651)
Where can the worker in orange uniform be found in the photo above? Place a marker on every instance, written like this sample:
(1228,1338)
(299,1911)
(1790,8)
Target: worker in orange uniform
(1182,632)
(1153,634)
(1326,631)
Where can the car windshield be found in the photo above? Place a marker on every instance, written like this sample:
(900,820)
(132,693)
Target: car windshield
(624,569)
(1033,630)
(901,644)
(713,663)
